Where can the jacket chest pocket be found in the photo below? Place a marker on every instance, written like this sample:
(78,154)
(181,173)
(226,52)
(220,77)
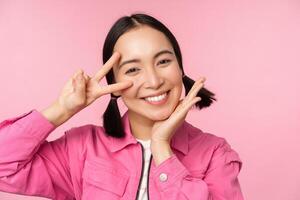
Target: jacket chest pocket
(103,179)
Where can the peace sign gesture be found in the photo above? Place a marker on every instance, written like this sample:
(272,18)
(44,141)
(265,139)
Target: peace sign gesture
(81,90)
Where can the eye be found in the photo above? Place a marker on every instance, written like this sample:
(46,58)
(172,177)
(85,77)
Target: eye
(164,61)
(131,70)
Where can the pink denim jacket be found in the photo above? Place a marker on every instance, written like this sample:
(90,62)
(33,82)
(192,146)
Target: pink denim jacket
(86,164)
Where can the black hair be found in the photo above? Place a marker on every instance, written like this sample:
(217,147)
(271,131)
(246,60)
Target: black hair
(111,118)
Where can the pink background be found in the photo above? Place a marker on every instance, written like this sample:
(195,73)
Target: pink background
(248,50)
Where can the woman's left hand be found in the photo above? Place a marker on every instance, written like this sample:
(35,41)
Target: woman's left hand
(163,131)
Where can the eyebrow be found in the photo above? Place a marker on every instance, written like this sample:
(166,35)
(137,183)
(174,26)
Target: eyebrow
(138,60)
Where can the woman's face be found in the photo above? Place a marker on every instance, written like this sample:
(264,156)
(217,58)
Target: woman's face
(153,69)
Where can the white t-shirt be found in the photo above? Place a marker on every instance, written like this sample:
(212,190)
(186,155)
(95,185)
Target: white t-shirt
(147,154)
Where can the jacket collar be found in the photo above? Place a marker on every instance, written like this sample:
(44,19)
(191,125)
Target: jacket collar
(179,141)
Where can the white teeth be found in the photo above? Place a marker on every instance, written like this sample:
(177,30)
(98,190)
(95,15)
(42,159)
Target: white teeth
(156,98)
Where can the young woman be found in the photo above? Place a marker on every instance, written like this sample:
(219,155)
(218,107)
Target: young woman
(150,152)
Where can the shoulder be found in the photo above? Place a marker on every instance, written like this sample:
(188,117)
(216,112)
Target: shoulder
(82,136)
(79,131)
(206,139)
(214,148)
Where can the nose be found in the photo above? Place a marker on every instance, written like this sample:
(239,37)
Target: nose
(153,80)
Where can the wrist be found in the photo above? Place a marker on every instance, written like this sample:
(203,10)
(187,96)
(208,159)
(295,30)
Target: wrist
(160,151)
(56,114)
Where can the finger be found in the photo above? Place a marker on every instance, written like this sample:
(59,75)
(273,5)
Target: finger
(197,85)
(77,72)
(195,89)
(114,87)
(179,105)
(189,105)
(185,108)
(86,77)
(107,66)
(193,92)
(80,84)
(194,101)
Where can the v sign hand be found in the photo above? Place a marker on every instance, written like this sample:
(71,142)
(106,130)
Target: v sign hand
(81,90)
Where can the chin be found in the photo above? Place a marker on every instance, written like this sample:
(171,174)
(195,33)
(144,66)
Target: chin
(158,115)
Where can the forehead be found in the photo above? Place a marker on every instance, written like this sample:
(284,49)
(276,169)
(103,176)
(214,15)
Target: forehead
(142,41)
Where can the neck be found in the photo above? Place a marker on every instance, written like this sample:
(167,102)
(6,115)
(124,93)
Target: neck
(140,126)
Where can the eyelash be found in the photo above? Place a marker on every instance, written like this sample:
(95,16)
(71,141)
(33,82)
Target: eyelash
(131,69)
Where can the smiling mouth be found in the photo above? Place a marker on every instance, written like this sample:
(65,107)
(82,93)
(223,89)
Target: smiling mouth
(157,100)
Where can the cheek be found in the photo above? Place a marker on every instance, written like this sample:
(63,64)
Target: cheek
(174,75)
(130,92)
(175,78)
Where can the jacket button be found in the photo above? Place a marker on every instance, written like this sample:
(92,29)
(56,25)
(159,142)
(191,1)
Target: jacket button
(163,177)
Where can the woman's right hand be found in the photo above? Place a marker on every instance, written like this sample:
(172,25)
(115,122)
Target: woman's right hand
(80,91)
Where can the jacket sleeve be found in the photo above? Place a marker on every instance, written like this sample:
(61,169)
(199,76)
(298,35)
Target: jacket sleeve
(29,164)
(220,181)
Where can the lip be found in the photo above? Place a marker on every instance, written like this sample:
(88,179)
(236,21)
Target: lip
(157,94)
(163,101)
